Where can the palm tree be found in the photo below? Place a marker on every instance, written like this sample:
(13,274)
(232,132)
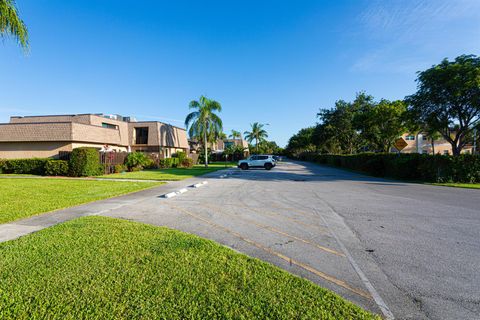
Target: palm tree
(257,133)
(204,124)
(221,136)
(235,134)
(11,24)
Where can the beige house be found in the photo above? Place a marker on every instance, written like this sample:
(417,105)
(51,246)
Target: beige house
(154,136)
(221,144)
(421,143)
(47,136)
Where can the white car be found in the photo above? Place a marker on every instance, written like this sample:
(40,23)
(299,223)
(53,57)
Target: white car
(257,161)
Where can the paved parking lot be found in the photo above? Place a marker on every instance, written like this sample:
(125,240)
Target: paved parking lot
(395,248)
(402,250)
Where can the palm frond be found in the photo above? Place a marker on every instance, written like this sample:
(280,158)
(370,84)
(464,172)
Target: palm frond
(194,104)
(11,24)
(191,117)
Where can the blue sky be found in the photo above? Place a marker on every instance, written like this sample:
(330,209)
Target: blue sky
(274,62)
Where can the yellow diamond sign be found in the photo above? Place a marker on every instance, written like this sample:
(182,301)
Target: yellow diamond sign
(400,144)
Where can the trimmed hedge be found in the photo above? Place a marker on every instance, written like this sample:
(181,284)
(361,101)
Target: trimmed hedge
(84,162)
(421,167)
(56,168)
(24,166)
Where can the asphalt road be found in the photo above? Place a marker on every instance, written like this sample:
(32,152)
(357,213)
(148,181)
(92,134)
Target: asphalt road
(407,251)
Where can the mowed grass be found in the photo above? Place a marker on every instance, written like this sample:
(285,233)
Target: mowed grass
(460,185)
(171,174)
(20,198)
(105,268)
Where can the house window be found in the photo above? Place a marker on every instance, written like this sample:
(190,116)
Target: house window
(424,137)
(445,152)
(109,126)
(410,137)
(141,135)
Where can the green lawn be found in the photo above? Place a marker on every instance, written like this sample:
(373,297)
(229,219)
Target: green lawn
(172,174)
(20,198)
(460,185)
(104,268)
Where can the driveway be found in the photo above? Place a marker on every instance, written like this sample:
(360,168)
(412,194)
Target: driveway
(407,251)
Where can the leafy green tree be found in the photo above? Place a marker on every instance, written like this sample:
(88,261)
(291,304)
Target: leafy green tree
(448,99)
(269,147)
(338,127)
(324,140)
(235,134)
(235,151)
(11,24)
(257,133)
(380,124)
(203,123)
(300,142)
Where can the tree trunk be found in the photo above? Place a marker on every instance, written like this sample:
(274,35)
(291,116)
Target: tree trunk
(206,146)
(433,146)
(256,145)
(455,149)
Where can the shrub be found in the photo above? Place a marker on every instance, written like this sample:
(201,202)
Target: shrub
(136,161)
(2,164)
(186,163)
(84,162)
(56,167)
(166,163)
(24,166)
(181,156)
(119,168)
(201,156)
(421,167)
(175,162)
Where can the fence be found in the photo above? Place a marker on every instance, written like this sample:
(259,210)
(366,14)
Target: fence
(109,160)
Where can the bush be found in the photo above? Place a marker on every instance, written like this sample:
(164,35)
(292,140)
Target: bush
(136,161)
(175,162)
(421,167)
(84,162)
(119,168)
(162,163)
(181,156)
(186,163)
(168,163)
(56,167)
(24,166)
(201,156)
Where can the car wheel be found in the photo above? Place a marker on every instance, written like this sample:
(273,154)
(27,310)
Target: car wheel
(268,166)
(244,166)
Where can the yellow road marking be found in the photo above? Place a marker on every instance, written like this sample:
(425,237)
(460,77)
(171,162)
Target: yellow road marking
(322,275)
(308,215)
(282,233)
(271,213)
